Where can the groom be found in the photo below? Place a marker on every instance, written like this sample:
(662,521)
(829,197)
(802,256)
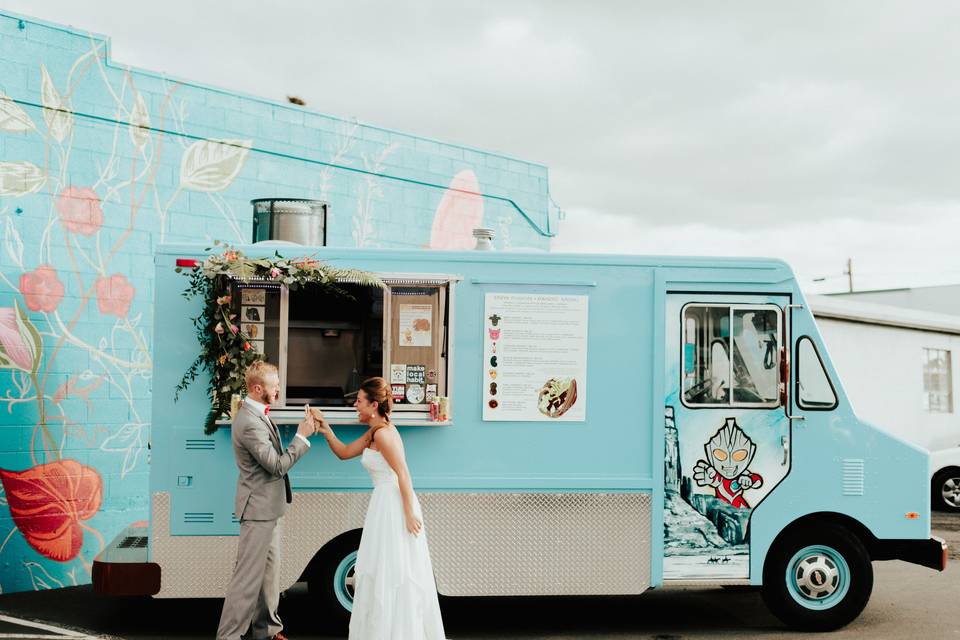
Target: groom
(263,493)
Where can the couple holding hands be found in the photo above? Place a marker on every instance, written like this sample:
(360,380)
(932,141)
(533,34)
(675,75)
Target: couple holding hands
(395,595)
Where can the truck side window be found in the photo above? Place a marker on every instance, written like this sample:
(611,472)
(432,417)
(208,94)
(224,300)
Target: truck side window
(731,368)
(814,389)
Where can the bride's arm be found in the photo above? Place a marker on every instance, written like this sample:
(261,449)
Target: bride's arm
(341,450)
(392,450)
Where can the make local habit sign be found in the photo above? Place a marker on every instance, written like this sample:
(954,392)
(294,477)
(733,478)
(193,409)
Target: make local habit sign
(534,357)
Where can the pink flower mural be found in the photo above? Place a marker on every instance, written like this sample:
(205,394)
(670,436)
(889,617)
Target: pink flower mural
(114,295)
(49,501)
(80,210)
(460,211)
(16,349)
(41,288)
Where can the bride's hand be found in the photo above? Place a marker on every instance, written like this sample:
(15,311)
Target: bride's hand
(413,524)
(320,424)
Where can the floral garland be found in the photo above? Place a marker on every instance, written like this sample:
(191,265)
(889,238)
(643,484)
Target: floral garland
(225,350)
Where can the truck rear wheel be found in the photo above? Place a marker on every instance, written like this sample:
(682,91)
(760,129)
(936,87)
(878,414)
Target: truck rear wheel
(332,582)
(946,490)
(817,578)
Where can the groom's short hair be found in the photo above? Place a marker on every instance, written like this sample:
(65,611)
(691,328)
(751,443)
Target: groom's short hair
(257,372)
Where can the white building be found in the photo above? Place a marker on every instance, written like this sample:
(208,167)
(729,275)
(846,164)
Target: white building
(896,365)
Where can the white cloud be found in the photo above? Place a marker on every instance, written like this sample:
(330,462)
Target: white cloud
(766,120)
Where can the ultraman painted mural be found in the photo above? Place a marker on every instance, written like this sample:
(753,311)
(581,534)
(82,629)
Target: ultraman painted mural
(727,445)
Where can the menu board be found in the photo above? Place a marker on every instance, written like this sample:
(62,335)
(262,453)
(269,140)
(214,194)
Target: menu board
(534,357)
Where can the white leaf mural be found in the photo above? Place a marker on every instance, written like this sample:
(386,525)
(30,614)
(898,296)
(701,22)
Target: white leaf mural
(12,242)
(129,440)
(211,165)
(55,112)
(41,578)
(139,119)
(13,119)
(20,178)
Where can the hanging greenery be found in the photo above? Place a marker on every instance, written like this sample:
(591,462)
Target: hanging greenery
(225,350)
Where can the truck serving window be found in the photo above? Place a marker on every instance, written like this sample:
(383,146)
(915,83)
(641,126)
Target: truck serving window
(326,343)
(724,367)
(814,389)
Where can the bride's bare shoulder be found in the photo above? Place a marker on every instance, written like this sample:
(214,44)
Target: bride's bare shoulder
(387,436)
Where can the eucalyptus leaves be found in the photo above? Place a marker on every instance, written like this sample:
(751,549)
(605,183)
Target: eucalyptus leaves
(225,350)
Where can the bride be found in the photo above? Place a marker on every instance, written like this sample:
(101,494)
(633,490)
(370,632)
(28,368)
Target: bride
(395,596)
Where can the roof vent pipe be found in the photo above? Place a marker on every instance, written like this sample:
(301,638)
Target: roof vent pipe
(290,220)
(484,239)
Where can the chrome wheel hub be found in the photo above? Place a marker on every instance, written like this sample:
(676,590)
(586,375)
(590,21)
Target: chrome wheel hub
(817,576)
(950,491)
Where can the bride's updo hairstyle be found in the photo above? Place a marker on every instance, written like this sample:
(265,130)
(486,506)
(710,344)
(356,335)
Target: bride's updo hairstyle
(378,390)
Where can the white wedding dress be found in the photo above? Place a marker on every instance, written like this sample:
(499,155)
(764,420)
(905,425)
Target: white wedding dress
(395,595)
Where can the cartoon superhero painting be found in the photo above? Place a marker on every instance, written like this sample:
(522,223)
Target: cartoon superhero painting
(726,469)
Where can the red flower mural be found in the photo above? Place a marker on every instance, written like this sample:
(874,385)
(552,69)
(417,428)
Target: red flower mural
(80,210)
(41,288)
(114,295)
(48,502)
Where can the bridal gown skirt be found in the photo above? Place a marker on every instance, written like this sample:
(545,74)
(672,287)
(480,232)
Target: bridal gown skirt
(395,595)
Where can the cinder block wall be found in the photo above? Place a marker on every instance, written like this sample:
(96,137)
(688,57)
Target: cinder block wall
(98,164)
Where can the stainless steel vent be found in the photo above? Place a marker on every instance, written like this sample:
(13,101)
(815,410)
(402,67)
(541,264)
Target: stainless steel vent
(290,220)
(853,476)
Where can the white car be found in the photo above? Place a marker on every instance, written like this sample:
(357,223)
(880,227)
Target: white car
(945,483)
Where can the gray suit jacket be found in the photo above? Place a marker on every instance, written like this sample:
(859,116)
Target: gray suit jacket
(263,489)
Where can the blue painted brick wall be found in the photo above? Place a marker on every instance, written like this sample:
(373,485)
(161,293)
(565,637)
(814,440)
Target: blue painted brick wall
(84,200)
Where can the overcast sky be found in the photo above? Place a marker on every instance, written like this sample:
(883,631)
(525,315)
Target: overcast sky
(811,131)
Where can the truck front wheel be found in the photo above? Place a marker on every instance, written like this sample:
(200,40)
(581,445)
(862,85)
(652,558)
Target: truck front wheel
(817,578)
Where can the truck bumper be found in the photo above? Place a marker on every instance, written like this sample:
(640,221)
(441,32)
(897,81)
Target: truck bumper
(123,569)
(930,553)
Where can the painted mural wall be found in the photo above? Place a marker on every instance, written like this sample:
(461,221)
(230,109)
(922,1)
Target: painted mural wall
(98,164)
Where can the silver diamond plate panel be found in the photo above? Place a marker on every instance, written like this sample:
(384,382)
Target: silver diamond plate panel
(200,566)
(480,544)
(539,543)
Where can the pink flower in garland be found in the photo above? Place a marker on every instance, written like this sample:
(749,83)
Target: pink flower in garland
(41,288)
(114,295)
(80,210)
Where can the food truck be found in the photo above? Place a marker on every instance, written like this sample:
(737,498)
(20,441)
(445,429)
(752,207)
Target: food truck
(611,424)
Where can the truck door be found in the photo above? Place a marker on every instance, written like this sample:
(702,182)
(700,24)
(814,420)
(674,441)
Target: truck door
(727,436)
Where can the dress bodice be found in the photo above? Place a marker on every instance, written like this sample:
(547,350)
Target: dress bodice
(379,469)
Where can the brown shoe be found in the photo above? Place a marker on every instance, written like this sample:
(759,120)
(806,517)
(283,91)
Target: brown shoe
(279,636)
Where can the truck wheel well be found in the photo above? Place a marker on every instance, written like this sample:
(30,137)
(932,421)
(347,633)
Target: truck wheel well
(351,537)
(828,517)
(950,467)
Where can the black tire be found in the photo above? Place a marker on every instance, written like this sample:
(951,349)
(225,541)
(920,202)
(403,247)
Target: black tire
(325,582)
(810,599)
(945,490)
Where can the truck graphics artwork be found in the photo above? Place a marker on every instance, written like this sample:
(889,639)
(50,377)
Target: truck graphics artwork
(720,460)
(729,454)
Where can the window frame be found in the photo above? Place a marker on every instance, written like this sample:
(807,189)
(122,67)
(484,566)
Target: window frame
(403,413)
(732,308)
(949,385)
(796,377)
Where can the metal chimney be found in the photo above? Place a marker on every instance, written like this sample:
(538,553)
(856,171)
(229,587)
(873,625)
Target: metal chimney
(291,220)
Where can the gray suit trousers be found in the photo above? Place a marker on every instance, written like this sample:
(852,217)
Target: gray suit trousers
(254,592)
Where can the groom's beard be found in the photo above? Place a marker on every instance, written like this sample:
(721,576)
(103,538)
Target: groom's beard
(265,398)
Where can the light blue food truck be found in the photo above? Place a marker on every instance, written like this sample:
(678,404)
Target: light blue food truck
(614,424)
